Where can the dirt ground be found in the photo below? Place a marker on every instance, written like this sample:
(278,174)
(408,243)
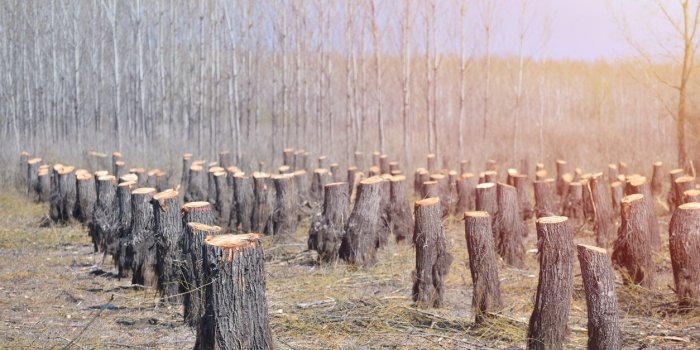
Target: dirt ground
(56,294)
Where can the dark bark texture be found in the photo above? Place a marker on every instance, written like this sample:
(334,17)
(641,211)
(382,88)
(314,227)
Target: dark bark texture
(400,215)
(632,249)
(640,186)
(192,269)
(486,295)
(545,198)
(466,193)
(124,221)
(143,243)
(224,197)
(604,217)
(196,190)
(284,217)
(104,224)
(263,206)
(327,230)
(487,198)
(509,227)
(245,200)
(359,244)
(684,245)
(168,230)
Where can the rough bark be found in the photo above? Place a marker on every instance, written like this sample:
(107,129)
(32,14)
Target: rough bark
(224,197)
(466,193)
(548,323)
(116,157)
(421,175)
(429,190)
(359,244)
(490,176)
(350,179)
(236,309)
(245,201)
(487,198)
(359,158)
(632,249)
(384,228)
(197,221)
(334,172)
(225,159)
(124,221)
(616,192)
(22,171)
(143,243)
(263,206)
(301,185)
(431,165)
(612,172)
(168,231)
(604,217)
(443,188)
(691,196)
(196,191)
(622,166)
(545,198)
(541,175)
(509,227)
(119,168)
(141,175)
(684,246)
(211,184)
(384,164)
(639,185)
(44,185)
(32,178)
(185,177)
(87,197)
(486,295)
(657,179)
(284,218)
(521,184)
(288,157)
(394,168)
(432,258)
(601,301)
(682,184)
(103,230)
(327,230)
(400,215)
(374,171)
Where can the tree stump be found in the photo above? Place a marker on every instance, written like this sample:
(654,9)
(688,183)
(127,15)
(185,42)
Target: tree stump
(143,243)
(429,190)
(141,175)
(490,176)
(548,323)
(334,172)
(105,214)
(244,197)
(394,167)
(44,185)
(359,244)
(168,231)
(632,249)
(68,193)
(520,182)
(225,159)
(466,193)
(236,309)
(359,158)
(318,181)
(400,215)
(486,295)
(192,284)
(420,176)
(616,192)
(432,258)
(684,246)
(288,157)
(682,184)
(613,173)
(657,179)
(431,165)
(601,302)
(622,166)
(541,175)
(21,177)
(384,228)
(301,186)
(374,171)
(545,198)
(284,218)
(604,217)
(195,187)
(350,179)
(491,165)
(443,188)
(322,162)
(120,246)
(327,230)
(573,203)
(185,177)
(691,196)
(640,186)
(671,199)
(509,227)
(263,206)
(384,164)
(32,178)
(561,170)
(487,198)
(87,197)
(224,197)
(211,184)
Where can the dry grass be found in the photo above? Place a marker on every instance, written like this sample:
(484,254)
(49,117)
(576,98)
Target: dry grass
(53,288)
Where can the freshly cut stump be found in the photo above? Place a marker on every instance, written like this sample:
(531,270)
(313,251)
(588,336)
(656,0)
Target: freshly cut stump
(318,181)
(168,231)
(359,246)
(601,301)
(44,185)
(617,193)
(87,196)
(432,258)
(106,212)
(632,249)
(430,189)
(509,227)
(224,197)
(486,296)
(143,242)
(545,198)
(466,188)
(548,323)
(521,184)
(185,177)
(245,201)
(689,196)
(327,230)
(284,218)
(32,178)
(604,216)
(671,198)
(573,203)
(192,284)
(487,198)
(561,170)
(196,190)
(657,179)
(684,245)
(236,309)
(640,186)
(400,215)
(124,221)
(264,203)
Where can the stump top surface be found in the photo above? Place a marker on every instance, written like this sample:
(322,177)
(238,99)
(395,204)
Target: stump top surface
(592,247)
(197,227)
(216,169)
(659,163)
(374,168)
(24,153)
(486,185)
(336,184)
(541,173)
(567,177)
(320,171)
(127,184)
(575,183)
(692,192)
(186,155)
(505,185)
(299,172)
(430,155)
(397,178)
(283,168)
(684,178)
(631,198)
(153,172)
(44,166)
(109,178)
(437,176)
(233,169)
(240,175)
(193,205)
(167,194)
(43,172)
(690,206)
(466,175)
(34,160)
(199,162)
(561,161)
(612,166)
(352,168)
(490,172)
(676,171)
(549,179)
(79,172)
(383,156)
(428,201)
(637,181)
(196,167)
(212,164)
(119,163)
(322,157)
(616,184)
(101,173)
(137,170)
(287,150)
(282,176)
(220,173)
(552,219)
(144,190)
(372,180)
(127,177)
(512,171)
(232,241)
(476,214)
(57,166)
(260,175)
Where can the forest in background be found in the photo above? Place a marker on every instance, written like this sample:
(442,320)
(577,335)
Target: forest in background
(154,79)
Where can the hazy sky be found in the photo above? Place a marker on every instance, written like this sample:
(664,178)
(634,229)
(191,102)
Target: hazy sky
(582,29)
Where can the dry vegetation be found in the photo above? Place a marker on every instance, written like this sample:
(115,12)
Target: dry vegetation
(54,291)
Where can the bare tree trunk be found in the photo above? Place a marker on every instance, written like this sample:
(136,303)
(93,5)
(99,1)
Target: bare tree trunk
(601,301)
(548,322)
(486,295)
(432,258)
